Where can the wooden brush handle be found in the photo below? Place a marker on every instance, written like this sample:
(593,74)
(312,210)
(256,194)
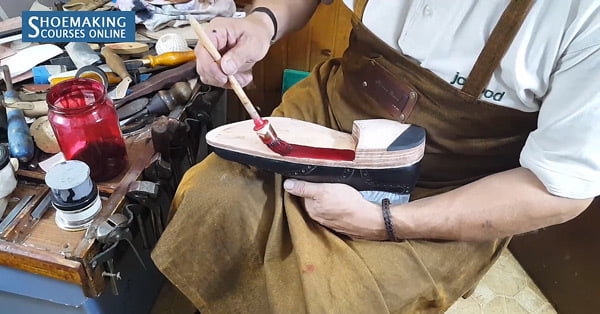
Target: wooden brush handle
(235,85)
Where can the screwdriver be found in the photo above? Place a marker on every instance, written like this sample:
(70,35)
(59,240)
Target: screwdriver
(165,59)
(20,141)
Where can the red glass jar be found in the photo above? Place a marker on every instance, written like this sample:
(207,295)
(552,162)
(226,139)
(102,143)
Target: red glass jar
(86,126)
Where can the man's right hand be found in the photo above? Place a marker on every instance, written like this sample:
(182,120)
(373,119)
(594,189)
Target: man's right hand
(242,43)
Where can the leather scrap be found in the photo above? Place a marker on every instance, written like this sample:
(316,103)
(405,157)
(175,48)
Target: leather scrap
(84,5)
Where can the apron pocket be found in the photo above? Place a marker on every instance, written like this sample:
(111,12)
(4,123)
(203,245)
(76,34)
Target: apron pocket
(369,77)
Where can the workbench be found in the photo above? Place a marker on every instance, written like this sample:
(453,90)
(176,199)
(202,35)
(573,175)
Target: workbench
(45,269)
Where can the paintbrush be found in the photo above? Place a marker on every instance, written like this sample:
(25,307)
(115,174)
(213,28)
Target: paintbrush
(262,127)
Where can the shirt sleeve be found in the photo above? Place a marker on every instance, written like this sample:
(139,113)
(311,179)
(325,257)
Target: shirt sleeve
(564,151)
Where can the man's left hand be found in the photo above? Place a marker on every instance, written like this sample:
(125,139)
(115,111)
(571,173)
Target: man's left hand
(341,208)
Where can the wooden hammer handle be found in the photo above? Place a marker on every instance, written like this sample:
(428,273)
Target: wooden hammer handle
(235,85)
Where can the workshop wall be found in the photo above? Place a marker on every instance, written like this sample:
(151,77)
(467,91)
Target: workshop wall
(325,36)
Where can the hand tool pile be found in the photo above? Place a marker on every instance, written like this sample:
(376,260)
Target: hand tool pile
(146,83)
(142,85)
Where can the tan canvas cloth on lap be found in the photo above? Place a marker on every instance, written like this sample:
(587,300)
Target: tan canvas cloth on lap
(237,243)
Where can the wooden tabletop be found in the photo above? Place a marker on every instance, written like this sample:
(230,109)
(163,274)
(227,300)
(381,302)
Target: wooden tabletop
(40,247)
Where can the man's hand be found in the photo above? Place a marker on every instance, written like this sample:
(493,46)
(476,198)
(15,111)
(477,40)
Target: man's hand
(341,208)
(242,42)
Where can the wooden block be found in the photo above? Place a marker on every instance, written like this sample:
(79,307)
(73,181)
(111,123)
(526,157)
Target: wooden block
(128,48)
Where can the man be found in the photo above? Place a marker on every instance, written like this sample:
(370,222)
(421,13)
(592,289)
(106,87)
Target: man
(502,90)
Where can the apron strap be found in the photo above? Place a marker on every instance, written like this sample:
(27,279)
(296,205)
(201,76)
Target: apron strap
(359,8)
(496,46)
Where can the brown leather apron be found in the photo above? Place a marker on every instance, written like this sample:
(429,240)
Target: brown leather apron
(237,243)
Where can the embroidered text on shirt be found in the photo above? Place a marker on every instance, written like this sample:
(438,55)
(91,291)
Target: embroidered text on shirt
(488,93)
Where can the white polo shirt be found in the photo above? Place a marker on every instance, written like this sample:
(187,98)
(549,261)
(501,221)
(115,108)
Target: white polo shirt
(553,67)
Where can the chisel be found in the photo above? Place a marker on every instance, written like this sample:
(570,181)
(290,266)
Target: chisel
(41,208)
(166,59)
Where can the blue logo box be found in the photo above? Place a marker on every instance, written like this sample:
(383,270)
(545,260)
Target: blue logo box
(78,26)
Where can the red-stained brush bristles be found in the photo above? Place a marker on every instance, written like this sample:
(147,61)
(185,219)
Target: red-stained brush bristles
(284,148)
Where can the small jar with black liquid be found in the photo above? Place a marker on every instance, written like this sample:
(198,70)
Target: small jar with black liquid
(73,194)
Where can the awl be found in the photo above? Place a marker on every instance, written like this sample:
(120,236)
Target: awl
(166,59)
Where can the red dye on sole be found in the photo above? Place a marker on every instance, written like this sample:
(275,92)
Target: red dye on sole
(284,148)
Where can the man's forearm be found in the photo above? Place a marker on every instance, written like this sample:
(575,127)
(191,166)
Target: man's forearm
(291,14)
(499,205)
